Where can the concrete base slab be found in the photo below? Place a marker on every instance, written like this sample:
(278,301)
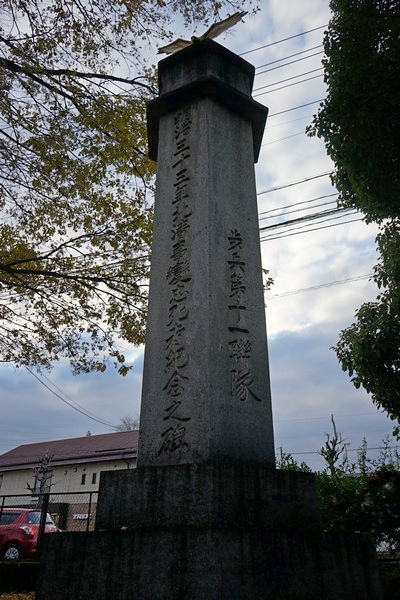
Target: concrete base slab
(210,564)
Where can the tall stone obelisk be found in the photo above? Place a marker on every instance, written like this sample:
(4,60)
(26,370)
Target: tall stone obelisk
(206,391)
(205,516)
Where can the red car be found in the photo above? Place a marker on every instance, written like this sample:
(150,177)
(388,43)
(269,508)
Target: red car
(19,529)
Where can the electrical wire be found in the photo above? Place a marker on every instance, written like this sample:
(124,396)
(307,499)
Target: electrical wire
(289,212)
(312,217)
(284,138)
(324,417)
(295,227)
(69,397)
(69,404)
(291,62)
(318,287)
(265,212)
(289,56)
(291,37)
(288,85)
(294,108)
(318,435)
(348,449)
(297,203)
(268,238)
(287,79)
(281,187)
(288,122)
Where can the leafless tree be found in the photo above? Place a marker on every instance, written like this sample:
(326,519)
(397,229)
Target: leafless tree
(333,448)
(128,423)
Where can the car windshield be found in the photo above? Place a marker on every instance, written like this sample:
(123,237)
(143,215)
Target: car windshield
(33,518)
(8,517)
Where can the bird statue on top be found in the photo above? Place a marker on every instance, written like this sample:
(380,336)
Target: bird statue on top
(212,32)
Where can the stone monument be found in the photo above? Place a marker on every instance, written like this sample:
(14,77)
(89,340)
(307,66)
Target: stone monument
(206,392)
(206,515)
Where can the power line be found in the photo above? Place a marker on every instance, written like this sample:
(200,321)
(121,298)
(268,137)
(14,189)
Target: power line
(291,62)
(348,450)
(282,40)
(295,108)
(288,85)
(284,138)
(298,228)
(290,212)
(295,227)
(289,56)
(317,287)
(268,238)
(324,417)
(288,122)
(297,203)
(310,434)
(281,187)
(321,216)
(69,404)
(287,79)
(363,432)
(69,398)
(311,217)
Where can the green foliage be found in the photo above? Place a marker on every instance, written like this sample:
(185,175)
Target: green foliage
(75,179)
(369,351)
(286,462)
(268,281)
(366,503)
(363,496)
(360,124)
(360,120)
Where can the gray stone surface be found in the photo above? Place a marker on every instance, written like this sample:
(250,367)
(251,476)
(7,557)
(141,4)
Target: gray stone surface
(205,60)
(205,70)
(221,495)
(208,564)
(206,390)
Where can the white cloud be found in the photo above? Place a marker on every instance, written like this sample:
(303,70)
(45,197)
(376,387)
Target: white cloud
(308,386)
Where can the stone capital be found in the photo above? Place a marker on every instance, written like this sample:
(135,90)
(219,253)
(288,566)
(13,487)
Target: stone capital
(205,70)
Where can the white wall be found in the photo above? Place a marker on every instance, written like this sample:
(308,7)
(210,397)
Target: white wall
(68,478)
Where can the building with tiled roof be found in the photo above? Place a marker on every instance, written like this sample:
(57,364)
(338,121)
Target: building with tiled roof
(69,469)
(75,463)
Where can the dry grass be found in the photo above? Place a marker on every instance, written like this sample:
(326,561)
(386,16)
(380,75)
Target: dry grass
(18,596)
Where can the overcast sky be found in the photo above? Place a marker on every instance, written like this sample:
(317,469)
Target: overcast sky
(312,298)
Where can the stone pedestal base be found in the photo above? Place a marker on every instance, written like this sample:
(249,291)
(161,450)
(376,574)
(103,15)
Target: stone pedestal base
(192,564)
(216,494)
(168,537)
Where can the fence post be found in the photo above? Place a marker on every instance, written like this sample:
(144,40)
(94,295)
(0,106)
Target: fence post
(89,509)
(43,516)
(2,505)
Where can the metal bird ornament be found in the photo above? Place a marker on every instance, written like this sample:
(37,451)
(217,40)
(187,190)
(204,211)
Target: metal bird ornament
(212,32)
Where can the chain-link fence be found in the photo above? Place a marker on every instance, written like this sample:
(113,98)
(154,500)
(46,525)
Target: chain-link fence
(70,511)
